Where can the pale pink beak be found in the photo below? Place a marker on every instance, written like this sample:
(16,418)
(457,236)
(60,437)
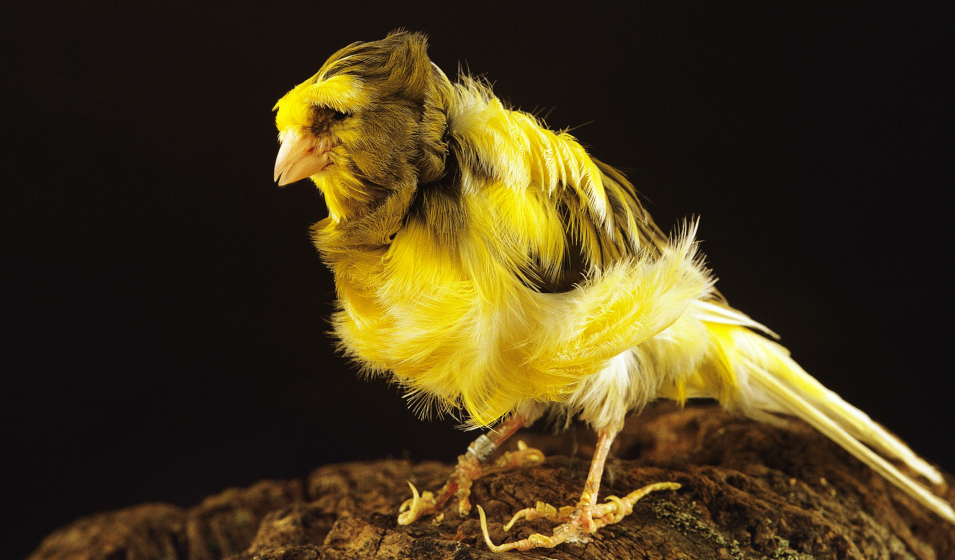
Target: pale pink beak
(301,156)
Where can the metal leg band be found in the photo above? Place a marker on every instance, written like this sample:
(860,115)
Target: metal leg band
(482,448)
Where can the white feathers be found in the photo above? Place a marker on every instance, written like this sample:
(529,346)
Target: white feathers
(605,398)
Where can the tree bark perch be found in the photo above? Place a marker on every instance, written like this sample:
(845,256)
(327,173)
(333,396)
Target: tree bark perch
(750,490)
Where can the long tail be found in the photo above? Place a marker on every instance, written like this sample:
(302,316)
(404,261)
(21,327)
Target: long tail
(769,381)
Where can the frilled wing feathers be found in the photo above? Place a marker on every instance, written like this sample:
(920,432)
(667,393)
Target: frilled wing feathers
(584,209)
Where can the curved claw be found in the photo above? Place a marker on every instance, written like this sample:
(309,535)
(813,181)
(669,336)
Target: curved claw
(412,502)
(623,508)
(532,456)
(524,513)
(415,507)
(526,456)
(487,537)
(534,541)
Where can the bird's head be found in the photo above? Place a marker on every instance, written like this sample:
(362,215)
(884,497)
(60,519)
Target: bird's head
(370,122)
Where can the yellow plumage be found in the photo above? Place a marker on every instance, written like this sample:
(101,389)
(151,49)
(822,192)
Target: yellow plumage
(492,266)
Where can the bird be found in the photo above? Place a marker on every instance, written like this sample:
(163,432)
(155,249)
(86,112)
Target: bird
(497,271)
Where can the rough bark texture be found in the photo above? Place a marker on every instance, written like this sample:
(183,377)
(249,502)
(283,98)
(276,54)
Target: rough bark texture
(750,490)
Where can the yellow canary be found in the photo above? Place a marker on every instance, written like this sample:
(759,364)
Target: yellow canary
(495,269)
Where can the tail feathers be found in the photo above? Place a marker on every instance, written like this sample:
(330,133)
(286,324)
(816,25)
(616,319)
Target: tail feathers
(854,421)
(769,381)
(798,406)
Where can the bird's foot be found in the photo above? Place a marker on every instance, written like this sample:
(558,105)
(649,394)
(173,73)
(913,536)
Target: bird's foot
(459,483)
(577,524)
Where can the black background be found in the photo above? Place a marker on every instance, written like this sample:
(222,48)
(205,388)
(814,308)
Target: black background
(164,311)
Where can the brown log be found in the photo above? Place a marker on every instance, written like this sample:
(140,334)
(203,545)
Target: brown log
(750,490)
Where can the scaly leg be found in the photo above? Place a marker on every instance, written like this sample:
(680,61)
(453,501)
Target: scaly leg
(578,523)
(472,466)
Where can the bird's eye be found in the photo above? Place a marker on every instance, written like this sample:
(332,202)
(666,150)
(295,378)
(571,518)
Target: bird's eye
(338,116)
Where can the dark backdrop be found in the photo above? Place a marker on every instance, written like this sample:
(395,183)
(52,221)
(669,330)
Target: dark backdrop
(164,311)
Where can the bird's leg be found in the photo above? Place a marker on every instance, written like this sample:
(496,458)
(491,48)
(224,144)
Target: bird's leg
(578,523)
(472,466)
